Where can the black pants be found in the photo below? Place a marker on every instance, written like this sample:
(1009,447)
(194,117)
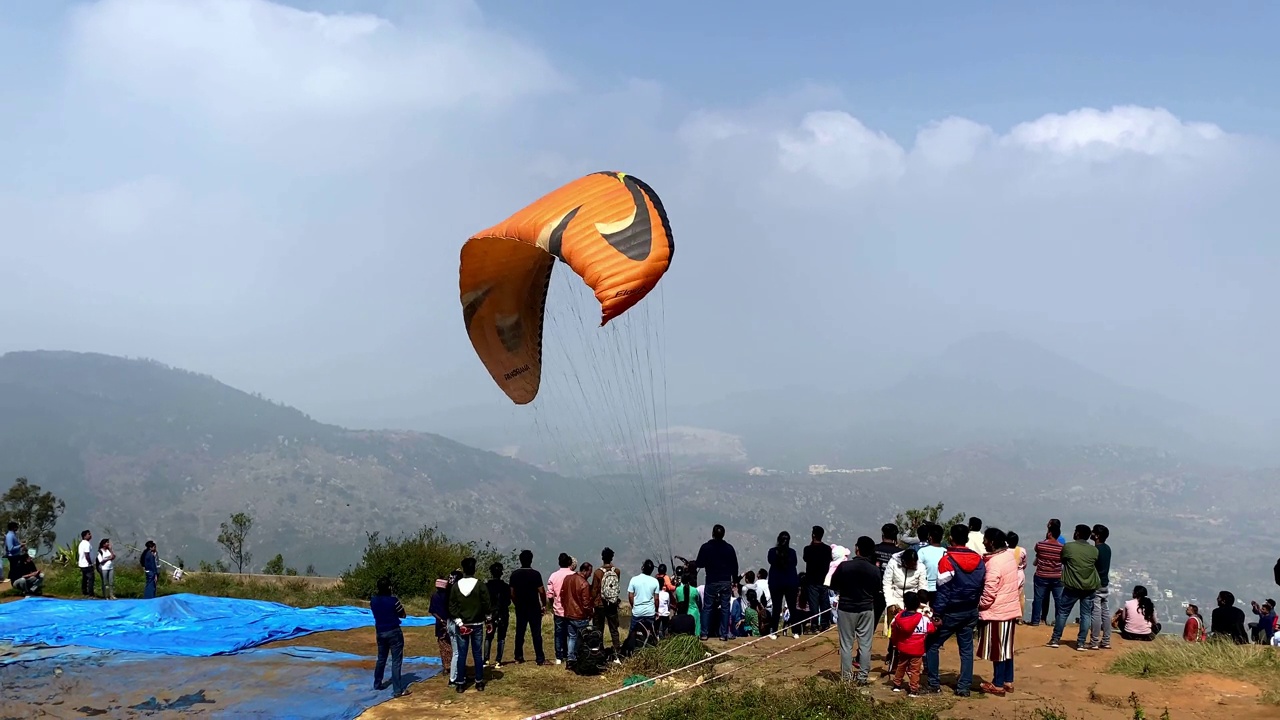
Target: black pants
(532,621)
(607,615)
(819,608)
(878,604)
(86,581)
(500,624)
(784,594)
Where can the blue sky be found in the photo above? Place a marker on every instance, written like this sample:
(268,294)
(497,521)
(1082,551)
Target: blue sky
(275,194)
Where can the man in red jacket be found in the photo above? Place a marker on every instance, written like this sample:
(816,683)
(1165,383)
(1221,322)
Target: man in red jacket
(961,574)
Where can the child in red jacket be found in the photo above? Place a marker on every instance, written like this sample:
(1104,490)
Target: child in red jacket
(910,628)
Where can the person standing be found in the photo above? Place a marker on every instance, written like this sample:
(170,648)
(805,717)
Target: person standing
(784,581)
(606,594)
(439,610)
(560,628)
(530,599)
(85,558)
(472,614)
(12,546)
(106,567)
(1048,578)
(977,539)
(817,563)
(999,611)
(910,629)
(642,595)
(885,550)
(1021,554)
(961,578)
(902,575)
(1100,623)
(500,600)
(575,595)
(387,613)
(930,554)
(1079,582)
(151,568)
(720,562)
(857,582)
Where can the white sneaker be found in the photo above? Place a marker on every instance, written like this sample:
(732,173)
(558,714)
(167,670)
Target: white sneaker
(497,666)
(773,636)
(559,661)
(795,635)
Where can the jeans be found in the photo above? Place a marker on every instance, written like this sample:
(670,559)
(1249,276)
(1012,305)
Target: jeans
(532,621)
(458,650)
(150,590)
(560,633)
(1002,673)
(718,598)
(1069,599)
(472,642)
(500,624)
(30,586)
(1044,589)
(860,626)
(819,600)
(1100,631)
(86,581)
(575,628)
(608,615)
(389,642)
(109,584)
(961,625)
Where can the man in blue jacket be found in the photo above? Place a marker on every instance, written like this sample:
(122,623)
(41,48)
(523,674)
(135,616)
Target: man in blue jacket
(961,574)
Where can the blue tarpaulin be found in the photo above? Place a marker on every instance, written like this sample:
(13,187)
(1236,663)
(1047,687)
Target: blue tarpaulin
(292,682)
(191,625)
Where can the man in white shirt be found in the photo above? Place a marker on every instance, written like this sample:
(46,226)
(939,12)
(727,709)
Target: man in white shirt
(84,558)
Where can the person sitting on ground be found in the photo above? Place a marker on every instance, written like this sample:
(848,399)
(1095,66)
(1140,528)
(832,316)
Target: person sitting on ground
(26,578)
(1139,617)
(387,613)
(1260,632)
(910,628)
(1227,621)
(685,621)
(1193,631)
(687,602)
(750,583)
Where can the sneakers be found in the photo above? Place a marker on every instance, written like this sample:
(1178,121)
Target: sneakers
(460,688)
(897,688)
(480,686)
(559,661)
(1104,646)
(1081,648)
(497,666)
(1053,644)
(930,690)
(795,636)
(616,661)
(1093,647)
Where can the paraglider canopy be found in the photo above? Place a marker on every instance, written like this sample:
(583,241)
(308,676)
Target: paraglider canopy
(609,227)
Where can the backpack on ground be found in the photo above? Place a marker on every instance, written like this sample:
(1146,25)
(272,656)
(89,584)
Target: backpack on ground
(610,586)
(643,635)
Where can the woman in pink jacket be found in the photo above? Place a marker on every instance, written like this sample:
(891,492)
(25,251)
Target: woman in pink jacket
(999,611)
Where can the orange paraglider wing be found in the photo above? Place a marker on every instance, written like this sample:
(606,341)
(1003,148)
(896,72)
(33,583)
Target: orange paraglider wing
(609,227)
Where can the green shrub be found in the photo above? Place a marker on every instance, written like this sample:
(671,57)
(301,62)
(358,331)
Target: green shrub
(413,562)
(672,653)
(814,700)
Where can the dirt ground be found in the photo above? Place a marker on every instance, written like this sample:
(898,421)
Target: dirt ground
(1073,682)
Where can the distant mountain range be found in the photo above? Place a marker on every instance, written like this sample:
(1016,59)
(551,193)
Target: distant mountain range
(991,427)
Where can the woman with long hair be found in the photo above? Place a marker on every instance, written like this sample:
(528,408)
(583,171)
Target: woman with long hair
(1139,617)
(106,568)
(784,582)
(687,604)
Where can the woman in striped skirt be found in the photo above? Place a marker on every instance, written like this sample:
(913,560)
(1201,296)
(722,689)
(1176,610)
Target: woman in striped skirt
(999,611)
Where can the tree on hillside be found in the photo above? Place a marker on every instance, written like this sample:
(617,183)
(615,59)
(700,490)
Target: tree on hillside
(232,539)
(274,566)
(35,512)
(909,520)
(311,570)
(413,562)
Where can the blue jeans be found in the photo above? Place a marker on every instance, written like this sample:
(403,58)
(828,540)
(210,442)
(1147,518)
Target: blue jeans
(389,642)
(819,600)
(718,598)
(575,628)
(560,635)
(1100,631)
(961,625)
(1044,589)
(1069,599)
(1002,673)
(150,590)
(474,642)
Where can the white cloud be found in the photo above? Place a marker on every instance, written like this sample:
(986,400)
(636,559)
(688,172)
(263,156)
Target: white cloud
(839,149)
(246,61)
(1098,133)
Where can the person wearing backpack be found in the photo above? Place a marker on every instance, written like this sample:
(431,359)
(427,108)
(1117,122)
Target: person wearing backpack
(606,594)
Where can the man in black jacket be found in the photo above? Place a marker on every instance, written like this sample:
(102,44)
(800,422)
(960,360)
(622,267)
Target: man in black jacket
(720,561)
(817,563)
(856,581)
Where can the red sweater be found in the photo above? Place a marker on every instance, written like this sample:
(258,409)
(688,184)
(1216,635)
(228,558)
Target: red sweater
(909,631)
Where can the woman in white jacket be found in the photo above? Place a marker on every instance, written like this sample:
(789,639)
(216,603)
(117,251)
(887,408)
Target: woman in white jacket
(902,574)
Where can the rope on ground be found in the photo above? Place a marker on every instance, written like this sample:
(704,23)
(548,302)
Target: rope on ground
(611,693)
(704,681)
